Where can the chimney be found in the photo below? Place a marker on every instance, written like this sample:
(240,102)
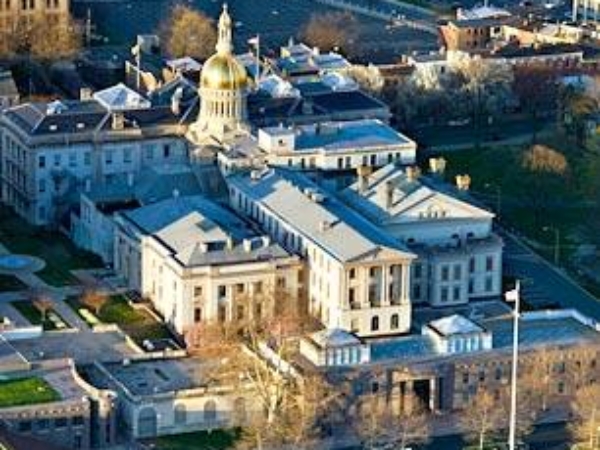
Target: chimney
(130,179)
(85,94)
(413,173)
(324,225)
(463,182)
(266,241)
(363,173)
(230,243)
(437,166)
(176,101)
(118,121)
(247,243)
(388,194)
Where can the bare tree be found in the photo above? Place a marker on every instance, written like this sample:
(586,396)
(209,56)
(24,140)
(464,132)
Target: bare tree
(188,32)
(94,300)
(55,40)
(482,417)
(412,426)
(586,408)
(373,421)
(44,306)
(330,31)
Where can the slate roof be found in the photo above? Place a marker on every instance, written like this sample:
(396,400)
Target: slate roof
(196,231)
(347,236)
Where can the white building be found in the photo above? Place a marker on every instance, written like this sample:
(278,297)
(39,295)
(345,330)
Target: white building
(323,146)
(457,334)
(198,262)
(50,151)
(358,277)
(459,255)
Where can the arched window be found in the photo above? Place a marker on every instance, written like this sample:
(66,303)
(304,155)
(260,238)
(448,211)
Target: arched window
(375,323)
(147,423)
(210,411)
(180,414)
(394,322)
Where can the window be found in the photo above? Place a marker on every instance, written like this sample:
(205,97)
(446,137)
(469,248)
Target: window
(352,273)
(481,376)
(149,152)
(456,293)
(258,287)
(471,286)
(418,270)
(239,288)
(374,387)
(352,297)
(60,422)
(258,310)
(465,378)
(489,263)
(57,159)
(281,282)
(87,158)
(197,314)
(472,265)
(395,322)
(43,424)
(72,159)
(42,185)
(222,291)
(417,291)
(197,291)
(77,421)
(240,312)
(498,375)
(489,284)
(25,425)
(127,155)
(457,272)
(375,323)
(444,294)
(222,313)
(41,161)
(108,158)
(166,150)
(560,388)
(445,273)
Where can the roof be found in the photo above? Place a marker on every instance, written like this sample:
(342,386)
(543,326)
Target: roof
(338,230)
(454,324)
(406,194)
(185,64)
(121,98)
(8,88)
(336,337)
(199,232)
(536,329)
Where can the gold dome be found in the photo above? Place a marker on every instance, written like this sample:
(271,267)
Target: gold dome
(223,72)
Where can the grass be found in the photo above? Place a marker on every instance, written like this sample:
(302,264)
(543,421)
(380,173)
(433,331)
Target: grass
(26,391)
(11,283)
(202,440)
(28,310)
(531,202)
(60,255)
(138,324)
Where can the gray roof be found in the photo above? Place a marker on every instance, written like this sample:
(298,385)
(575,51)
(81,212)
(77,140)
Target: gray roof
(343,136)
(338,230)
(8,88)
(200,232)
(406,194)
(534,331)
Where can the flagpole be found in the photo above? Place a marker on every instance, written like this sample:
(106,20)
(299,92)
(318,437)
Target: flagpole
(257,80)
(515,356)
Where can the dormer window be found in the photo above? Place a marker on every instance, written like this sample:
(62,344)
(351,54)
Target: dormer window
(53,127)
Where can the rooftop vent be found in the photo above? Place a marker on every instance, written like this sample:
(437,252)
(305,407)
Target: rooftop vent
(413,173)
(118,121)
(325,225)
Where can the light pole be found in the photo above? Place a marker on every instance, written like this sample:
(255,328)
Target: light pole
(514,296)
(556,243)
(498,197)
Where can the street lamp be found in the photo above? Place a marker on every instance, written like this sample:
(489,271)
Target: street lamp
(556,243)
(514,296)
(498,196)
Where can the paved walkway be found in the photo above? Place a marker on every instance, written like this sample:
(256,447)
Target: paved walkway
(35,284)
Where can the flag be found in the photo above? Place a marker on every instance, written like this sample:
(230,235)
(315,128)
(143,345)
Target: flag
(513,295)
(254,41)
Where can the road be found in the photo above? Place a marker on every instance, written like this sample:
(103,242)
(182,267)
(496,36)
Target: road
(543,284)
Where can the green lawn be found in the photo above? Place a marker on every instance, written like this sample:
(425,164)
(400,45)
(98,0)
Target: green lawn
(60,255)
(26,391)
(33,315)
(215,440)
(11,283)
(136,323)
